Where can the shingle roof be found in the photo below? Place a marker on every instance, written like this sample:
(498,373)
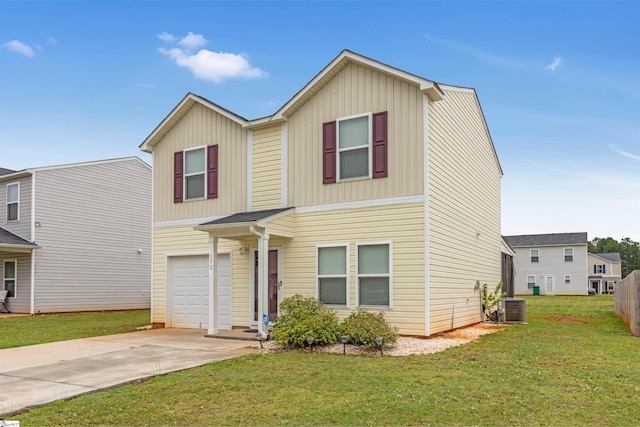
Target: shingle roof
(610,256)
(8,238)
(4,171)
(547,239)
(246,217)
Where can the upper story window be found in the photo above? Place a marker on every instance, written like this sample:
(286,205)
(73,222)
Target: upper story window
(333,283)
(374,275)
(9,278)
(13,201)
(195,174)
(600,268)
(355,147)
(535,255)
(568,254)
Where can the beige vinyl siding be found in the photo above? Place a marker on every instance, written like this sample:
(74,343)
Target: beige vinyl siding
(22,227)
(94,218)
(283,226)
(464,210)
(22,302)
(356,89)
(201,127)
(177,240)
(267,168)
(402,225)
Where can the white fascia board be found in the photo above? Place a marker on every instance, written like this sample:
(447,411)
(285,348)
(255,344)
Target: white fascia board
(264,221)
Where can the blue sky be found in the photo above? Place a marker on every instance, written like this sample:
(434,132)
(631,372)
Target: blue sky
(559,83)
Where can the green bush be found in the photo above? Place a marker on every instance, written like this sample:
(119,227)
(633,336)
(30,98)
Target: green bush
(363,327)
(303,317)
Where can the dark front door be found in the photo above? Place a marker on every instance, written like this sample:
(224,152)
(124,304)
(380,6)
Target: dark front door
(272,290)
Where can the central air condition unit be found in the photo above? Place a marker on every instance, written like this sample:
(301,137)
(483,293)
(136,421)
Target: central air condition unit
(515,309)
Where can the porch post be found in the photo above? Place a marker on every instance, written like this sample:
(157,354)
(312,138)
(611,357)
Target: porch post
(213,285)
(263,279)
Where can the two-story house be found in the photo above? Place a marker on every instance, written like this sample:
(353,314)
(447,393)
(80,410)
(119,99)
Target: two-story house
(76,237)
(605,270)
(371,187)
(550,264)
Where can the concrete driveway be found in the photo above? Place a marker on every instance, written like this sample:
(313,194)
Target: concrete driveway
(39,374)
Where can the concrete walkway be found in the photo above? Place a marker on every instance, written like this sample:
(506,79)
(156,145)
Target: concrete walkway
(38,374)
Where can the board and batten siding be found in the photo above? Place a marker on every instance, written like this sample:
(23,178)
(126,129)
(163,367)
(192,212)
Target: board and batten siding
(201,127)
(22,301)
(356,89)
(267,168)
(95,237)
(402,225)
(552,263)
(184,240)
(22,227)
(464,210)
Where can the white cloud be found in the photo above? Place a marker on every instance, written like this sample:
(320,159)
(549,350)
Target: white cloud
(19,47)
(52,40)
(214,66)
(167,37)
(557,61)
(624,153)
(192,41)
(479,54)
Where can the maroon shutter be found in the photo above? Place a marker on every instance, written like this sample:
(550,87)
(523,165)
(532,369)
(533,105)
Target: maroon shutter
(212,172)
(380,145)
(329,153)
(178,176)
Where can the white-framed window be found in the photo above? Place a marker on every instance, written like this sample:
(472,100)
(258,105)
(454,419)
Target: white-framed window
(568,254)
(567,279)
(13,201)
(354,146)
(610,285)
(531,282)
(333,273)
(535,255)
(9,277)
(374,269)
(599,268)
(195,169)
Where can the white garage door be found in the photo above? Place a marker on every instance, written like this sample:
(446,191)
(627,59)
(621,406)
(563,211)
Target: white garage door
(189,303)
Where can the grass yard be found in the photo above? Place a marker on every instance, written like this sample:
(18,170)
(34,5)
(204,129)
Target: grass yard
(30,330)
(575,363)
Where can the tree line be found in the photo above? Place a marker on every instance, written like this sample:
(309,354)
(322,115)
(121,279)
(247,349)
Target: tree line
(628,249)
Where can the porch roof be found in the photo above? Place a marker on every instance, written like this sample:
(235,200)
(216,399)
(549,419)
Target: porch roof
(13,243)
(277,222)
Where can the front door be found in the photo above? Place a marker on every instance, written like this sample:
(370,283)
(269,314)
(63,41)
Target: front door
(595,285)
(550,284)
(272,290)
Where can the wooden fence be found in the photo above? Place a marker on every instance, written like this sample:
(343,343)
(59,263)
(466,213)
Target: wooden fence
(627,301)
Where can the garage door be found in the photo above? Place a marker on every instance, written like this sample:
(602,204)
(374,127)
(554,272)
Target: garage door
(189,299)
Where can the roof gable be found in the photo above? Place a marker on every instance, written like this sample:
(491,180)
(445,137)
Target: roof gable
(553,239)
(608,256)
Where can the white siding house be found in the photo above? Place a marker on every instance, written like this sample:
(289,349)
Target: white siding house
(81,238)
(550,264)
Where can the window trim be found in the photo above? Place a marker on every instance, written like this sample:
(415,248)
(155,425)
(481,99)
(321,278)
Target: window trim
(330,276)
(369,146)
(534,281)
(567,279)
(389,274)
(565,254)
(537,261)
(185,175)
(17,202)
(15,276)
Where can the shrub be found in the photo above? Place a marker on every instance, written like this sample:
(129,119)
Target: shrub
(363,327)
(303,317)
(491,300)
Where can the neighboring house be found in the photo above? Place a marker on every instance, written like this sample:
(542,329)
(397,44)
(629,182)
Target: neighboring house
(76,237)
(605,270)
(553,264)
(371,187)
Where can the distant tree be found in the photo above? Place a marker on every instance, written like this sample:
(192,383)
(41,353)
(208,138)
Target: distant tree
(628,249)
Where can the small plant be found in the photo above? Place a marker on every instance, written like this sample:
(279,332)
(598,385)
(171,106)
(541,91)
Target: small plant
(304,317)
(491,300)
(363,327)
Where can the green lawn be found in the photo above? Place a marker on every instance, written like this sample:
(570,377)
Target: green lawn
(30,330)
(574,363)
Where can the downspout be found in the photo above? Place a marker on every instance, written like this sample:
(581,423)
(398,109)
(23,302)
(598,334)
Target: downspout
(32,302)
(263,248)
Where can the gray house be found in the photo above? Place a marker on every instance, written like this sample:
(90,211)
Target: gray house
(76,237)
(550,264)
